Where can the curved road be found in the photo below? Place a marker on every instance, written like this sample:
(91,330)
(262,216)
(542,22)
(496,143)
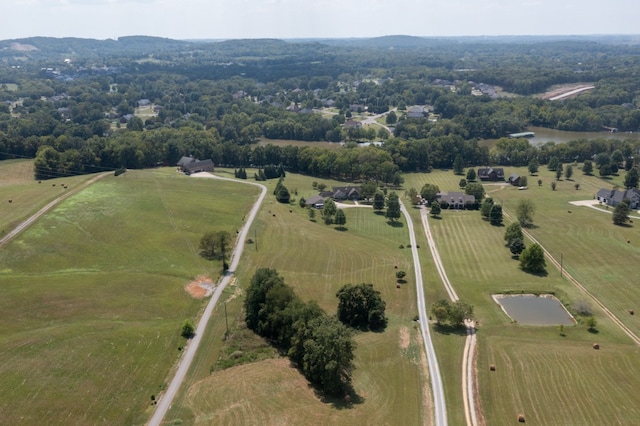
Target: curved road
(440,408)
(164,403)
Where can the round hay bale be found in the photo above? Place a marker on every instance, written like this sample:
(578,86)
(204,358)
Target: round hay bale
(10,201)
(397,285)
(521,418)
(492,367)
(596,346)
(631,312)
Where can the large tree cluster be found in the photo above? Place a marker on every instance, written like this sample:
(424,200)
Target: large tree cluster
(319,344)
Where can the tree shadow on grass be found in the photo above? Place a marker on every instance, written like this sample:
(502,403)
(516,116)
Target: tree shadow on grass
(542,273)
(395,224)
(378,212)
(347,402)
(436,217)
(593,330)
(447,329)
(341,228)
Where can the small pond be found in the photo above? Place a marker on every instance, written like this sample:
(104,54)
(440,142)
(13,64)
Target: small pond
(529,309)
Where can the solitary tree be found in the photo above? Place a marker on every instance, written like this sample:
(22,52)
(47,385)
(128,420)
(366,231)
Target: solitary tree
(400,275)
(476,189)
(340,219)
(328,211)
(516,246)
(462,183)
(188,329)
(393,207)
(524,212)
(208,245)
(553,186)
(312,214)
(471,175)
(539,182)
(429,192)
(559,171)
(533,166)
(587,168)
(378,201)
(412,193)
(532,259)
(621,213)
(553,164)
(568,172)
(495,216)
(435,209)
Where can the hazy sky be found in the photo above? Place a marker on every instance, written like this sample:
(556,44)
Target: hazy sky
(223,19)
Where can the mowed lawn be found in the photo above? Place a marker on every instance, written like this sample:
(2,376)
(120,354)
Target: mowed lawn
(540,373)
(21,195)
(93,296)
(317,260)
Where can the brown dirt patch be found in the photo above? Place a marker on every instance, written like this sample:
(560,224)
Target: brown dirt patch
(405,337)
(200,288)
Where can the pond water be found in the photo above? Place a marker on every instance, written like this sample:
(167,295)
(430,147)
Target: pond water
(529,309)
(544,135)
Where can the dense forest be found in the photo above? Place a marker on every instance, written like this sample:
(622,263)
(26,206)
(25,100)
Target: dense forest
(80,106)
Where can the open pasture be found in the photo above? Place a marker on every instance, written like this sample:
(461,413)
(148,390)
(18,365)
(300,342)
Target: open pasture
(478,265)
(93,295)
(317,260)
(21,195)
(557,382)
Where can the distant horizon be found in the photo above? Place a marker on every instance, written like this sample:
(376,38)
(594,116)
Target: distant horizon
(497,36)
(321,19)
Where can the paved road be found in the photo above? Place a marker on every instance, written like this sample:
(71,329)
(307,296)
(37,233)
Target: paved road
(164,403)
(24,225)
(440,407)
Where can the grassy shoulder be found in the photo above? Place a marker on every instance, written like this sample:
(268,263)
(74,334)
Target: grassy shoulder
(93,295)
(316,260)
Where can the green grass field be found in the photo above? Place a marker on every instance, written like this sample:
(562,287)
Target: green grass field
(540,373)
(317,260)
(93,295)
(26,194)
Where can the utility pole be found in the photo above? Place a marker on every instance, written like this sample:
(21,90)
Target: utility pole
(226,335)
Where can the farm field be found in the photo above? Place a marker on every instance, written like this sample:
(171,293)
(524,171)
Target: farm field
(526,381)
(26,194)
(317,260)
(93,295)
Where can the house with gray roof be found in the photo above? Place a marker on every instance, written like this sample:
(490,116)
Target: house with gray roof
(455,200)
(613,197)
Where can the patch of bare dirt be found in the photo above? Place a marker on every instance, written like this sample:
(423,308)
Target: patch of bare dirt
(405,337)
(200,288)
